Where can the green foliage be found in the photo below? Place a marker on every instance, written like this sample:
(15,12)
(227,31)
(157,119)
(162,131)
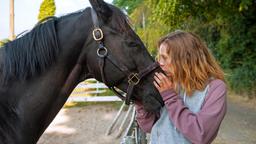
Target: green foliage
(228,27)
(148,32)
(47,9)
(2,42)
(243,80)
(127,5)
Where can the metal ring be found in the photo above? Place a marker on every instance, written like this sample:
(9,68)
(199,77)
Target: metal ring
(102,49)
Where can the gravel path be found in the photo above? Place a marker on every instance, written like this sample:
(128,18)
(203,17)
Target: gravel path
(83,125)
(239,126)
(88,124)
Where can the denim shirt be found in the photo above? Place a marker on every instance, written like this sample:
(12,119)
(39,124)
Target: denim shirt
(164,132)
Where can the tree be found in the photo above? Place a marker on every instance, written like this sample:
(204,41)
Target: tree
(3,41)
(127,5)
(47,9)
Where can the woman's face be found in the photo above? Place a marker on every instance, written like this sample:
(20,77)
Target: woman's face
(165,60)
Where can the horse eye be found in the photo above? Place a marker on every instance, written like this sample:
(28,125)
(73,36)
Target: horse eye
(133,44)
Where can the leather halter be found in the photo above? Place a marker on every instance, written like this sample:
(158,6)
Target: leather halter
(133,77)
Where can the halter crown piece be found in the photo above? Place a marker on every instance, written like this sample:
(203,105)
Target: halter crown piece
(133,77)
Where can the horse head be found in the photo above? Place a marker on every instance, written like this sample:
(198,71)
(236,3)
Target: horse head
(115,55)
(39,70)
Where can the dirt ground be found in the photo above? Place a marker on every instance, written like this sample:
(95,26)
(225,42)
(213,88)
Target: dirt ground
(88,124)
(83,125)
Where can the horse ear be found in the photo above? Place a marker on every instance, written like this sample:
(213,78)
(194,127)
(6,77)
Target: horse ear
(102,9)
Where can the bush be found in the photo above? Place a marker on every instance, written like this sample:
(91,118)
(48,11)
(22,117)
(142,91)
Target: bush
(2,42)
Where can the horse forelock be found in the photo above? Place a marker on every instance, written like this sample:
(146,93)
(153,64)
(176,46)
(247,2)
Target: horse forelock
(120,21)
(30,54)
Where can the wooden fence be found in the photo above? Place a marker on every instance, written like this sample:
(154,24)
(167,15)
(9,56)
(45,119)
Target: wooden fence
(85,91)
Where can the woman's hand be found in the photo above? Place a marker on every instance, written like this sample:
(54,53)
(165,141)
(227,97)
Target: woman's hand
(162,82)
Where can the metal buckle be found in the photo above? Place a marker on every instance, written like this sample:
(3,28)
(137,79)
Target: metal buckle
(95,33)
(133,78)
(102,52)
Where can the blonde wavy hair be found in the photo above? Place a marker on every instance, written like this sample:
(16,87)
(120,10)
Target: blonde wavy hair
(192,63)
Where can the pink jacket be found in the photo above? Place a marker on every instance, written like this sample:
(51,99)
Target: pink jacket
(201,127)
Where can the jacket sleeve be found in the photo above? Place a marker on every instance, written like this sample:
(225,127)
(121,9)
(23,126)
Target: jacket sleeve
(145,119)
(201,127)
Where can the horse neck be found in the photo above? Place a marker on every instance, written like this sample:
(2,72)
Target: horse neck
(39,99)
(68,71)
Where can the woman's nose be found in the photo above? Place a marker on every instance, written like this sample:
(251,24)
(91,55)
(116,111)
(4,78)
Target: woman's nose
(161,63)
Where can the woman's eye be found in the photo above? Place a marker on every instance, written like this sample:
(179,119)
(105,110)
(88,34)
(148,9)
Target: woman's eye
(162,58)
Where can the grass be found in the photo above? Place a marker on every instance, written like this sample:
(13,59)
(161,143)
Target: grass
(115,105)
(107,93)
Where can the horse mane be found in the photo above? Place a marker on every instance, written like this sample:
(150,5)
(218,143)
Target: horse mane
(32,53)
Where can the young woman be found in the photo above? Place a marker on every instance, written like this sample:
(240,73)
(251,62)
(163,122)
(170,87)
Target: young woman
(193,90)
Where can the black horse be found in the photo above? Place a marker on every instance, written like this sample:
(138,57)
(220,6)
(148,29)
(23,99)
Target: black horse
(39,70)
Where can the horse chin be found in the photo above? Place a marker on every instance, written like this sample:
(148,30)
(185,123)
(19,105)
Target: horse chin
(152,104)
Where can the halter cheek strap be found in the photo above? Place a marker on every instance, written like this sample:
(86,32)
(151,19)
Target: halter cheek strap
(102,52)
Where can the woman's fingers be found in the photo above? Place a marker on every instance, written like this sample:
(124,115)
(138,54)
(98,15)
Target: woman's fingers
(157,79)
(163,77)
(156,85)
(162,82)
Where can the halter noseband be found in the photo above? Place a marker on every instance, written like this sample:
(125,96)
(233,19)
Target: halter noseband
(102,52)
